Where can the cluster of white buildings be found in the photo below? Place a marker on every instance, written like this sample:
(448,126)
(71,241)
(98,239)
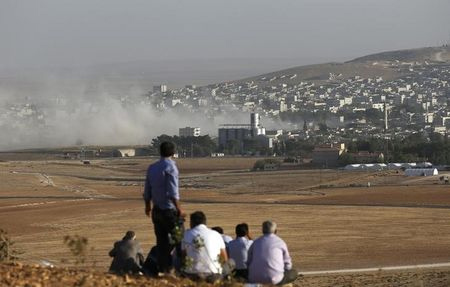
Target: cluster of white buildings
(417,100)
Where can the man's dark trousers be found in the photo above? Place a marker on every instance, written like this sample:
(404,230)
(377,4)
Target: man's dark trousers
(164,222)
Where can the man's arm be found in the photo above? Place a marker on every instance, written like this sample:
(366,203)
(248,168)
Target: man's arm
(249,255)
(113,251)
(183,252)
(172,190)
(176,202)
(147,195)
(223,255)
(286,258)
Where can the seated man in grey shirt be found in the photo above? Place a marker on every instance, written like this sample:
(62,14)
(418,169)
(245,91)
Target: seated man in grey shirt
(238,250)
(268,258)
(127,255)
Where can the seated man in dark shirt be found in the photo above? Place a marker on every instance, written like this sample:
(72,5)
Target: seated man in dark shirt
(127,255)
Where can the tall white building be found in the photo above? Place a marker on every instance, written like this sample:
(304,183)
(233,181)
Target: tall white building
(160,89)
(283,106)
(255,125)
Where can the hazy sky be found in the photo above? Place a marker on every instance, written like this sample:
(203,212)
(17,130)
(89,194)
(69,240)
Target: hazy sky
(84,32)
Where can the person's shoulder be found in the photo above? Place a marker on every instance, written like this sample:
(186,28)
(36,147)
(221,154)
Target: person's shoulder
(136,242)
(119,244)
(258,239)
(227,238)
(233,242)
(154,165)
(189,233)
(280,240)
(214,234)
(171,165)
(166,164)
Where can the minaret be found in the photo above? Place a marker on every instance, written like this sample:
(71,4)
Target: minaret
(254,124)
(385,117)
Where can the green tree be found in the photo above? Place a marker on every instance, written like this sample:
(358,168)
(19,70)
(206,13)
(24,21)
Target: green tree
(233,147)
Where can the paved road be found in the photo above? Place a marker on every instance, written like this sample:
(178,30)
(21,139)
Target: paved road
(376,269)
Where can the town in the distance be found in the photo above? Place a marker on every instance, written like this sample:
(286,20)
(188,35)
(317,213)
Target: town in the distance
(385,108)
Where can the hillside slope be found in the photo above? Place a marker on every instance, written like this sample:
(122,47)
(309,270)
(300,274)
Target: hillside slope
(375,65)
(432,54)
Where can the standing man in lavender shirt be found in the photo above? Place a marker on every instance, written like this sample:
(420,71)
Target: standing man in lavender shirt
(161,191)
(268,258)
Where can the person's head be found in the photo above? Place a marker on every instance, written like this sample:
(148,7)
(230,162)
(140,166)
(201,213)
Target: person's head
(269,227)
(130,235)
(218,229)
(167,149)
(197,218)
(242,230)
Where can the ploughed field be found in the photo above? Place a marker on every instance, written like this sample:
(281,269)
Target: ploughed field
(330,219)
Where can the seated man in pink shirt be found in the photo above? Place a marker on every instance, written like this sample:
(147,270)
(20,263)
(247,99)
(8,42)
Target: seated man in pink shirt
(268,258)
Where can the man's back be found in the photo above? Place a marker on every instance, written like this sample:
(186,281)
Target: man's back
(238,249)
(268,258)
(127,256)
(203,247)
(162,183)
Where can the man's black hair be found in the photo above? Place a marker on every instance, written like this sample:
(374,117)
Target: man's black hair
(167,149)
(242,229)
(218,229)
(197,218)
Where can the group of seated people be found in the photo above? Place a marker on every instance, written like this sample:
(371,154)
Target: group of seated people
(209,254)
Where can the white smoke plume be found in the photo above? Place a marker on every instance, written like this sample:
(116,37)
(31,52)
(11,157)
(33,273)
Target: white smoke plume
(66,114)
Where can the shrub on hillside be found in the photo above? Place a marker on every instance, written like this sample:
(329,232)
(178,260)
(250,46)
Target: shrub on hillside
(78,246)
(7,251)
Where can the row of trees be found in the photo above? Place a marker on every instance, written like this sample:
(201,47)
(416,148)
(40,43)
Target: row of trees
(415,147)
(203,146)
(189,146)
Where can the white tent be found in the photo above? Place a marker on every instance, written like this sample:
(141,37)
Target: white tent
(421,171)
(366,166)
(400,165)
(352,167)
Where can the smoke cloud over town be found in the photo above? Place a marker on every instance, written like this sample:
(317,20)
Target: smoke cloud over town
(76,114)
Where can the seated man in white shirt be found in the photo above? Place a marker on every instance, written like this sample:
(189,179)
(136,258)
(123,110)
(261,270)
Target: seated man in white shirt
(203,250)
(238,249)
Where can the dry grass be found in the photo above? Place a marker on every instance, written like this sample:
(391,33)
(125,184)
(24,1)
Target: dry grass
(325,228)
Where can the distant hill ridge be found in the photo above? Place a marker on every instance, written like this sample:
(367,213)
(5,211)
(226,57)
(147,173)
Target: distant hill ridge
(375,65)
(432,54)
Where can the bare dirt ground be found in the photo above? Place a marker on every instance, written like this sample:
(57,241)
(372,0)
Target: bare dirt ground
(329,218)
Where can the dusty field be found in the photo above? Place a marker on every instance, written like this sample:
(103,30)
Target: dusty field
(328,219)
